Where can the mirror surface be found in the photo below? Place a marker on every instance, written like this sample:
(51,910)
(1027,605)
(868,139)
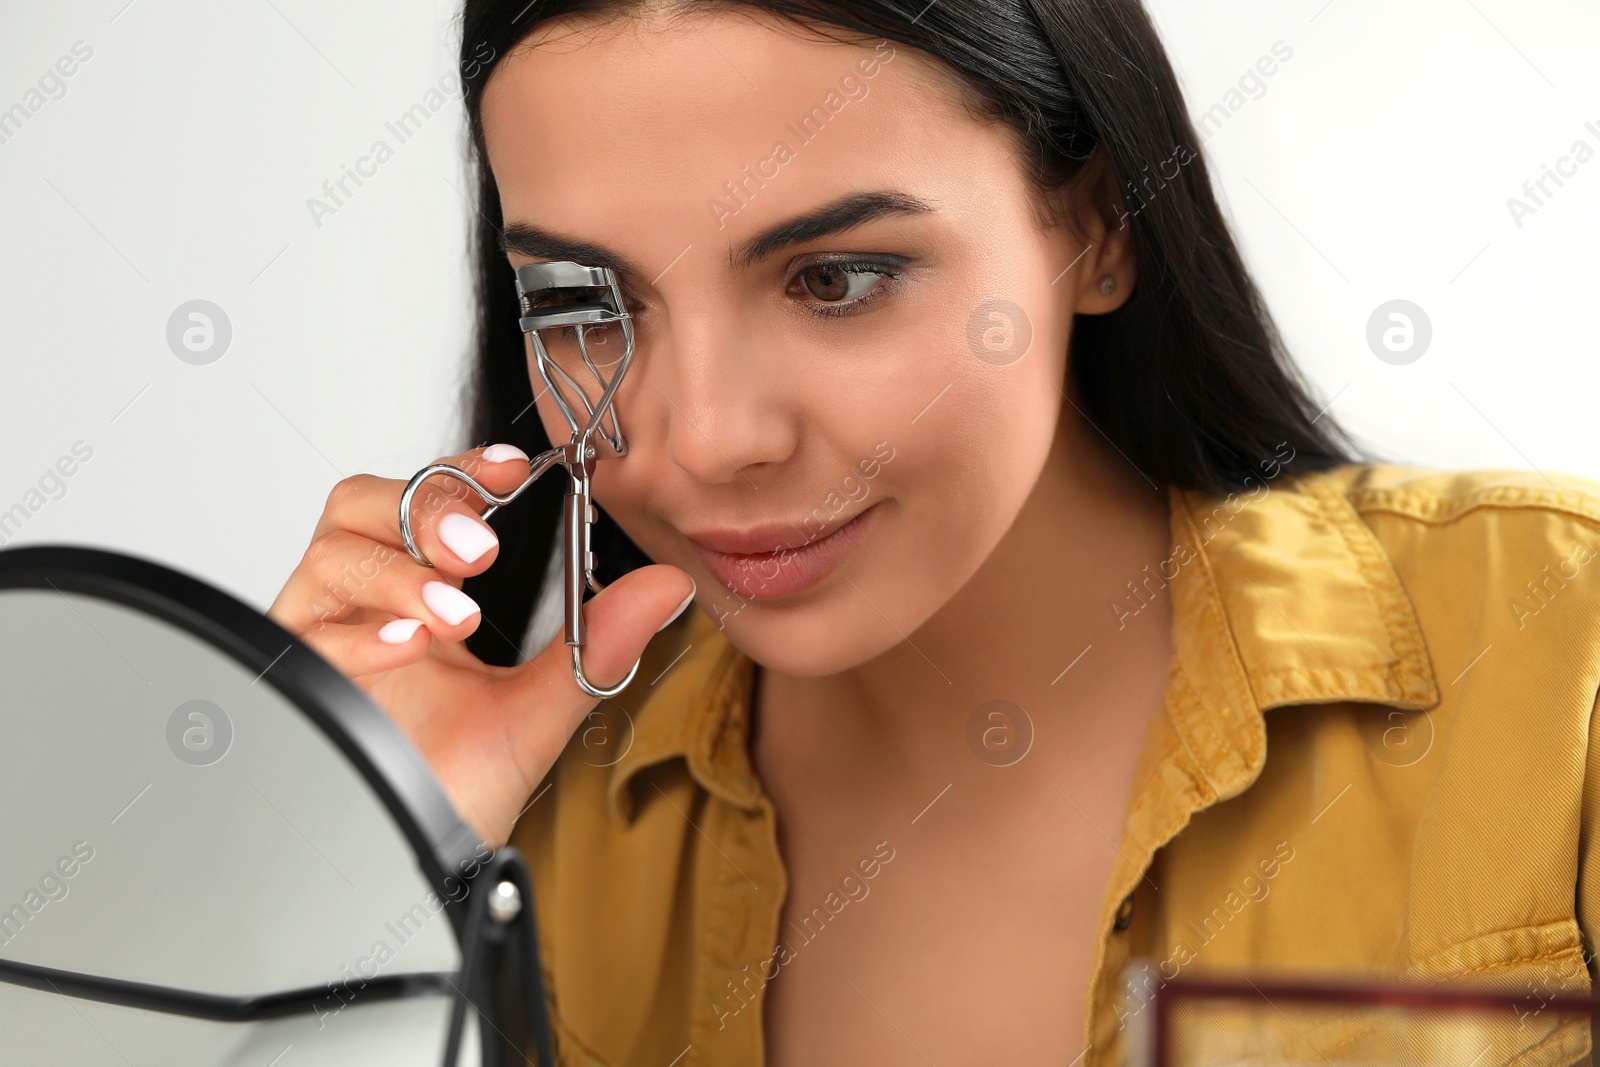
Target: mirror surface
(174,820)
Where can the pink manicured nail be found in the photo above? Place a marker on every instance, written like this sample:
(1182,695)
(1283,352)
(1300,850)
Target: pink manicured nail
(466,536)
(501,453)
(399,631)
(679,610)
(448,602)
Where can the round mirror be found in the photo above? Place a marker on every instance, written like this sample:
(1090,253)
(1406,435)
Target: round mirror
(218,851)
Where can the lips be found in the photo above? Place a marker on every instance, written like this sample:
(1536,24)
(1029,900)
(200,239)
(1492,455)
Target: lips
(755,563)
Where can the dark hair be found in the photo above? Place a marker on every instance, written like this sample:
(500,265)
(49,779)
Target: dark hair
(1188,378)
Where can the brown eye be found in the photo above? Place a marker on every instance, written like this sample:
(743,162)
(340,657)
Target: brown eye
(827,283)
(833,282)
(845,287)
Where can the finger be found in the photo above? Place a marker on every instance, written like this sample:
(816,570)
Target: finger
(445,522)
(619,623)
(343,571)
(370,647)
(445,512)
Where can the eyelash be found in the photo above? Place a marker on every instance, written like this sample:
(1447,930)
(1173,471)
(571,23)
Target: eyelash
(831,309)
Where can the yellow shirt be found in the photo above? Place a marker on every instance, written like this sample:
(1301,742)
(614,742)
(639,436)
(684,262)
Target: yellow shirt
(1428,645)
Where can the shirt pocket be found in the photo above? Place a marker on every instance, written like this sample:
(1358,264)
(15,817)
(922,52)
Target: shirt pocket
(1527,964)
(1530,963)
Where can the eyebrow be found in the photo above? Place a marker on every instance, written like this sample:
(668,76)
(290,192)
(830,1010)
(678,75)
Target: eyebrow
(837,216)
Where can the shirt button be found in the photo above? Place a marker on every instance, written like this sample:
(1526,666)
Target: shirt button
(1124,913)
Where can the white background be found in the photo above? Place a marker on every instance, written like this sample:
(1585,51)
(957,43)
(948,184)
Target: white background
(1375,164)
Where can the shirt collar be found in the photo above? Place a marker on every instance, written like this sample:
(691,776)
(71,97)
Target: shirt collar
(1282,596)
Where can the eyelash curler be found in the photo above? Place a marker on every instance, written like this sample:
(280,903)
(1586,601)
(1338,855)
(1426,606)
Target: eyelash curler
(598,303)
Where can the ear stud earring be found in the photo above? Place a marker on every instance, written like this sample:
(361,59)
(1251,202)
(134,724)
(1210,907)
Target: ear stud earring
(1108,284)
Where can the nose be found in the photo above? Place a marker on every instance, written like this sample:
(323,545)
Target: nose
(729,410)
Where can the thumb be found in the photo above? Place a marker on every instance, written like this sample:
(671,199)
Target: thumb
(618,623)
(538,705)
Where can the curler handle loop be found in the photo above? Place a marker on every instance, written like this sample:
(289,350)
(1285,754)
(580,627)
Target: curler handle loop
(537,466)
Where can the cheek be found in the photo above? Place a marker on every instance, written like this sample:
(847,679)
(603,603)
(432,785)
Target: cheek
(555,423)
(966,468)
(632,490)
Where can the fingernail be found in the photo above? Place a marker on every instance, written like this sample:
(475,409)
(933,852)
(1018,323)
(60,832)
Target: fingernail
(448,602)
(466,536)
(501,453)
(399,631)
(679,610)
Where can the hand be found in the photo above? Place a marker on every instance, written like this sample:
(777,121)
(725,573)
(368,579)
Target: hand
(396,629)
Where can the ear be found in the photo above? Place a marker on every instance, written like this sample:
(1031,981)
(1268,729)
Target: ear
(1095,238)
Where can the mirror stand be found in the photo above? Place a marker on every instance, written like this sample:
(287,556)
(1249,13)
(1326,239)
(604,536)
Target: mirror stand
(500,965)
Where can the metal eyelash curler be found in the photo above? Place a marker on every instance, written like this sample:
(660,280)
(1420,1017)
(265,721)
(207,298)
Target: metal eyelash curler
(599,302)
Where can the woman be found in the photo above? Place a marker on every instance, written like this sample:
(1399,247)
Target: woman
(957,415)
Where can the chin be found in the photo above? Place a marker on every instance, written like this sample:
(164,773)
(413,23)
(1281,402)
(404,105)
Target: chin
(830,630)
(829,643)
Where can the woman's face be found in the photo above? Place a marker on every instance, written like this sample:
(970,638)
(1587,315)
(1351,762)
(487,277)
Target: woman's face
(851,323)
